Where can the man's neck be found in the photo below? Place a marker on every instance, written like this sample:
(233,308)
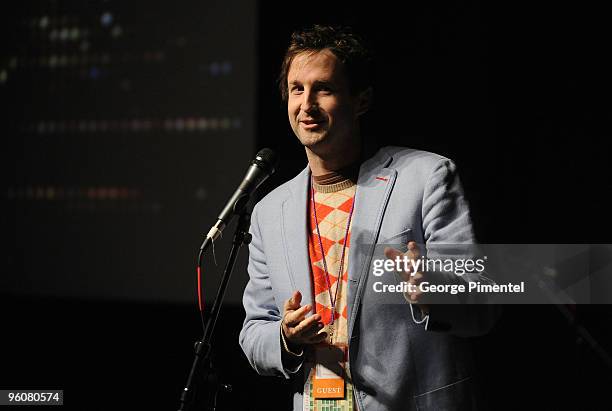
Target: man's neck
(325,164)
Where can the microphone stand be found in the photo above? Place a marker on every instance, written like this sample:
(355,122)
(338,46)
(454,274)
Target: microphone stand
(203,348)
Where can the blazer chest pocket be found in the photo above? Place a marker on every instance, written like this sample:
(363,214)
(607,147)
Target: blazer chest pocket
(399,240)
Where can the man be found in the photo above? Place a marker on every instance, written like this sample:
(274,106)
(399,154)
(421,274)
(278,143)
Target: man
(311,312)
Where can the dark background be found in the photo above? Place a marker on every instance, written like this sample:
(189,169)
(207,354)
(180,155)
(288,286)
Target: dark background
(97,296)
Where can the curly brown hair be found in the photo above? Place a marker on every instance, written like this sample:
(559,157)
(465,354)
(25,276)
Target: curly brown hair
(341,41)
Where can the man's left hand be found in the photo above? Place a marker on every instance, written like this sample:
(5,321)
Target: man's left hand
(411,276)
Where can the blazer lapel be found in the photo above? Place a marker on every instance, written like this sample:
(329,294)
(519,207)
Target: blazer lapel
(295,236)
(374,186)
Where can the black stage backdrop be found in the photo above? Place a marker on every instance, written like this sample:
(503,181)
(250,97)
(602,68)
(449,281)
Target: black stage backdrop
(125,124)
(112,172)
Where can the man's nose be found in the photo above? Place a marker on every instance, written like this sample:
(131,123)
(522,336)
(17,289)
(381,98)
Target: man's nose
(309,102)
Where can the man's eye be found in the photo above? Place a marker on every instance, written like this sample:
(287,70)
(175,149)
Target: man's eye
(296,90)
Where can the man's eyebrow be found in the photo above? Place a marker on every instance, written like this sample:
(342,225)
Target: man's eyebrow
(317,82)
(326,83)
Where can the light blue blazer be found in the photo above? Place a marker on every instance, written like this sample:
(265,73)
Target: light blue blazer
(395,362)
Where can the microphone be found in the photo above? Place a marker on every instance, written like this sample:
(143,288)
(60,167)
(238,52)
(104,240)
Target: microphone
(262,167)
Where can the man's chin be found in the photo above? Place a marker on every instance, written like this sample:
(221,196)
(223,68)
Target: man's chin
(312,139)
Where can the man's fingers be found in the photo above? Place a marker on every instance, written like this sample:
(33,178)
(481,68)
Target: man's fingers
(293,318)
(314,334)
(391,253)
(415,278)
(413,253)
(413,250)
(414,296)
(296,298)
(310,324)
(294,302)
(411,276)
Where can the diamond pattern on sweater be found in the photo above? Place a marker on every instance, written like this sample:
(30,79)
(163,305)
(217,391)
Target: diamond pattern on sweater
(333,211)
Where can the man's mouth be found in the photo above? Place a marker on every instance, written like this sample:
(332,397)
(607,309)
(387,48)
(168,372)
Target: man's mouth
(311,124)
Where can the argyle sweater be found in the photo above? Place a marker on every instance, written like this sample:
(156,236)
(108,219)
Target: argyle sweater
(333,204)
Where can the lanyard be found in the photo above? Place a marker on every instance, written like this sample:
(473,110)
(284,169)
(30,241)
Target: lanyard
(340,269)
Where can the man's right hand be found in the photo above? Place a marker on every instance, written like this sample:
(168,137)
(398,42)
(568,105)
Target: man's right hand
(297,329)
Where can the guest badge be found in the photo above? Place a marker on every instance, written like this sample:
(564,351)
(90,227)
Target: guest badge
(329,375)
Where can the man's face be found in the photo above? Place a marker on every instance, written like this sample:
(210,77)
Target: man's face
(322,112)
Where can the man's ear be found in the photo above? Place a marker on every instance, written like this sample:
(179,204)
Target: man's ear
(364,101)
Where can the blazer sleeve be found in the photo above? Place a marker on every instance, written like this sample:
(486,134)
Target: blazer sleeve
(446,220)
(260,336)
